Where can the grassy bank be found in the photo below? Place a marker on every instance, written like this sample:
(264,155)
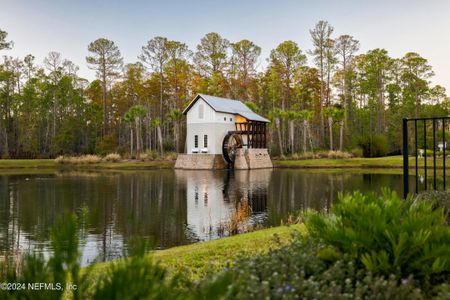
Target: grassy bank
(8,164)
(196,260)
(393,162)
(340,256)
(389,162)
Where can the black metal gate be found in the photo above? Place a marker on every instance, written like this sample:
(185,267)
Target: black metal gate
(427,142)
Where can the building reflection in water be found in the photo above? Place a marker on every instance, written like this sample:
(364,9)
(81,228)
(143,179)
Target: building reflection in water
(167,207)
(212,197)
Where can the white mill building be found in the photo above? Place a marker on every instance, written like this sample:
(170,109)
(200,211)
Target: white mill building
(223,133)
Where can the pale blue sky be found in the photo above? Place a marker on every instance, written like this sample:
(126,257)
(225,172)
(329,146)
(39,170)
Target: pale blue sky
(38,27)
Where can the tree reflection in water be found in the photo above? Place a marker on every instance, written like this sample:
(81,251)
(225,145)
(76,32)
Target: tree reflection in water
(167,207)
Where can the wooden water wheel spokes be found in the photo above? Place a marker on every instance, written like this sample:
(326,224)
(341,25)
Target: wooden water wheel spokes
(231,143)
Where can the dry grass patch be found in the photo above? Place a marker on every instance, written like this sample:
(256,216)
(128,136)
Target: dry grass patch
(76,160)
(339,155)
(171,156)
(148,155)
(151,155)
(320,154)
(113,157)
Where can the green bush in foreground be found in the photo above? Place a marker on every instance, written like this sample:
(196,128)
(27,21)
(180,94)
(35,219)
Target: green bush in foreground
(56,270)
(134,278)
(386,234)
(368,247)
(297,272)
(438,199)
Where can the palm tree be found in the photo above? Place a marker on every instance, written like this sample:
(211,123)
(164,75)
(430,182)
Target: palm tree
(156,122)
(291,116)
(134,114)
(335,114)
(306,116)
(276,115)
(175,115)
(329,112)
(340,117)
(128,118)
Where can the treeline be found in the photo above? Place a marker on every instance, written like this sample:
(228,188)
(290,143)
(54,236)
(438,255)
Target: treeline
(328,97)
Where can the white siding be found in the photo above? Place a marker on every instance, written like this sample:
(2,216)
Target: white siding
(224,118)
(213,124)
(193,115)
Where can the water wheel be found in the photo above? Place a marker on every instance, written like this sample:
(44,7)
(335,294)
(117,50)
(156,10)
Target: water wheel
(231,143)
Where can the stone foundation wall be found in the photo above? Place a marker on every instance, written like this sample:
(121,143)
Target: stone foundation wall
(200,162)
(246,159)
(252,159)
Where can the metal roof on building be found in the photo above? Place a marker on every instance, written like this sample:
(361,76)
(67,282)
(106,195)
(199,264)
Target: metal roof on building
(228,106)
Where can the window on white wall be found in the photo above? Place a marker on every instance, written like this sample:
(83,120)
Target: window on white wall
(205,141)
(200,111)
(195,141)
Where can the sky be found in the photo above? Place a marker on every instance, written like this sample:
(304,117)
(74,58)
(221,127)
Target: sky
(41,26)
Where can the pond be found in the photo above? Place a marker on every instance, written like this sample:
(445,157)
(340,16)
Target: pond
(168,207)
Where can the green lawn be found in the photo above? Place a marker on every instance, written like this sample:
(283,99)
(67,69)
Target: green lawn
(196,260)
(27,163)
(377,162)
(389,162)
(9,164)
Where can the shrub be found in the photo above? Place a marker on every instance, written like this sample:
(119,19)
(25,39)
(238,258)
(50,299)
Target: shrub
(429,152)
(149,155)
(365,249)
(374,146)
(357,152)
(438,199)
(321,154)
(386,234)
(84,159)
(289,157)
(440,153)
(132,278)
(136,277)
(172,156)
(56,269)
(294,156)
(107,145)
(300,156)
(89,159)
(338,155)
(168,145)
(113,157)
(296,271)
(307,155)
(60,160)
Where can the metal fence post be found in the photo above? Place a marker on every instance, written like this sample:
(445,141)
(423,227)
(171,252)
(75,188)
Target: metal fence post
(405,159)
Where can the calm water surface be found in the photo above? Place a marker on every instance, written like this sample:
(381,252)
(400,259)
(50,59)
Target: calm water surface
(169,207)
